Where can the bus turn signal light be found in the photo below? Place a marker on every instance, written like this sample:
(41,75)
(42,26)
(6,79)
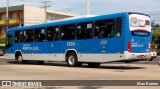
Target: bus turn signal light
(129,46)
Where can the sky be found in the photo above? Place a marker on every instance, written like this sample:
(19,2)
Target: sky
(97,7)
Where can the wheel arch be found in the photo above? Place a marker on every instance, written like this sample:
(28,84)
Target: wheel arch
(69,51)
(17,53)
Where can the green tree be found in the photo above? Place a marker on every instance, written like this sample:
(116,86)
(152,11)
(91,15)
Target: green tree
(2,40)
(156,38)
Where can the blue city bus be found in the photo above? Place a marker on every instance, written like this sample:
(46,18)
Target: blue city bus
(93,40)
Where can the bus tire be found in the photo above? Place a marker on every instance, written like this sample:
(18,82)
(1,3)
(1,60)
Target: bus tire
(20,59)
(72,60)
(94,64)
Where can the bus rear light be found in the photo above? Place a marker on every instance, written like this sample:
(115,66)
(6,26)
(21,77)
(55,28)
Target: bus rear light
(129,46)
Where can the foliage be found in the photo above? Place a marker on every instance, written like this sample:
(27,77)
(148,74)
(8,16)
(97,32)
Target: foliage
(156,39)
(2,40)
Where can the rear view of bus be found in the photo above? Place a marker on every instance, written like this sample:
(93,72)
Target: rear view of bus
(138,38)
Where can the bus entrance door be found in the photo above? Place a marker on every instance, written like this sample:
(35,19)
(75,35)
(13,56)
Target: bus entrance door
(9,44)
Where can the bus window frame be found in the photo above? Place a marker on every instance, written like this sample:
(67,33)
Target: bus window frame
(39,29)
(26,35)
(104,25)
(121,33)
(67,32)
(85,24)
(19,34)
(49,28)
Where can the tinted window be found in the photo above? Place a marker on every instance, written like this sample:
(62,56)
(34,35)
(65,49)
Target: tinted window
(18,37)
(68,32)
(104,28)
(53,33)
(84,30)
(28,36)
(98,33)
(9,41)
(118,27)
(39,35)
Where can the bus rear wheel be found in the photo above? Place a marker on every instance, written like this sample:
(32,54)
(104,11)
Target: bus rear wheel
(72,60)
(94,64)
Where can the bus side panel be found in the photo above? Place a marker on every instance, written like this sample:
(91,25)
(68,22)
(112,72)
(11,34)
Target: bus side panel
(49,51)
(55,50)
(100,50)
(89,51)
(113,50)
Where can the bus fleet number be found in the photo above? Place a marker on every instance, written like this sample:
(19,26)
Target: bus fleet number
(71,44)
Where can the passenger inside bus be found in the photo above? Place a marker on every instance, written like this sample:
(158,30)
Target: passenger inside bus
(101,34)
(63,35)
(26,38)
(97,31)
(49,36)
(56,36)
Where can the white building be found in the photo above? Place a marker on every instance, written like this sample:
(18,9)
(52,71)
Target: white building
(24,15)
(35,15)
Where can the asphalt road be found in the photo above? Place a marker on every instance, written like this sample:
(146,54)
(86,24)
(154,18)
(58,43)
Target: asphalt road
(11,70)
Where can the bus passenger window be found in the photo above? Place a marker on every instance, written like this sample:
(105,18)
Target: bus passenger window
(118,27)
(28,36)
(53,33)
(84,31)
(63,35)
(18,37)
(63,32)
(89,31)
(39,34)
(80,32)
(104,28)
(68,32)
(98,30)
(109,28)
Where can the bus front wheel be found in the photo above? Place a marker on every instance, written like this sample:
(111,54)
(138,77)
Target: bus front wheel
(94,64)
(20,59)
(72,60)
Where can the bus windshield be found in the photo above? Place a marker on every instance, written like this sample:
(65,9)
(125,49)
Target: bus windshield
(135,22)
